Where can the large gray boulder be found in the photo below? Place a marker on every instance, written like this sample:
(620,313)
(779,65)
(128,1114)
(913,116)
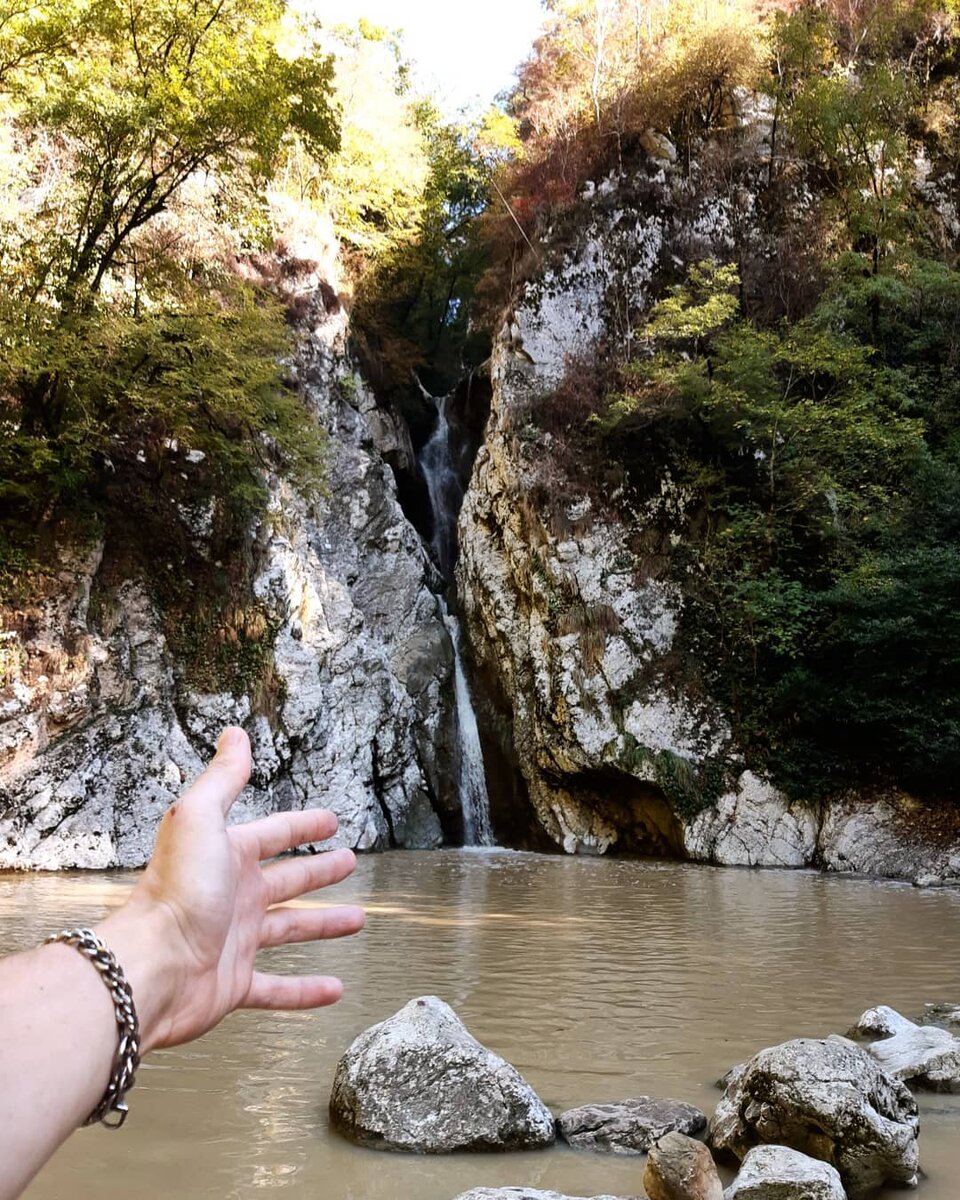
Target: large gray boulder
(828,1099)
(628,1126)
(779,1173)
(680,1168)
(420,1082)
(923,1056)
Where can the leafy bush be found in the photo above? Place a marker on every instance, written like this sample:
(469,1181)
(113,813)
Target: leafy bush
(821,562)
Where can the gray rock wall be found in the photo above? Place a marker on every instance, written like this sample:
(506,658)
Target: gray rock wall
(569,617)
(578,638)
(98,733)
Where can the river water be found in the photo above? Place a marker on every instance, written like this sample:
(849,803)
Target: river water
(598,979)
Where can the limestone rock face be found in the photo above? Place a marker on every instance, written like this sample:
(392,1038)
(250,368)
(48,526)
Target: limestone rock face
(779,1173)
(923,1056)
(627,1126)
(893,837)
(566,588)
(828,1099)
(419,1082)
(753,827)
(560,609)
(680,1168)
(99,731)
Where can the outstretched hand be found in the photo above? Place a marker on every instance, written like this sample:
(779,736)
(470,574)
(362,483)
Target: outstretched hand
(186,940)
(212,902)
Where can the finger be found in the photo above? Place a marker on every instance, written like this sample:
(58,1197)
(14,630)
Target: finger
(292,991)
(283,831)
(284,925)
(292,877)
(226,775)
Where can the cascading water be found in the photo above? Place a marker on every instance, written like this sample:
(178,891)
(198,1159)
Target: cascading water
(443,486)
(445,490)
(477,830)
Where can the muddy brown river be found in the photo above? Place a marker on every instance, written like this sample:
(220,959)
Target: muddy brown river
(598,979)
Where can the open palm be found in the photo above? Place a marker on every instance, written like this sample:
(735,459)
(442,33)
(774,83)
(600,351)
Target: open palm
(225,903)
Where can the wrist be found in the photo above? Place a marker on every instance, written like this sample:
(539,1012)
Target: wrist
(143,937)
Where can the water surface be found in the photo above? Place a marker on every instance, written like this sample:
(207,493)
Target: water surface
(598,979)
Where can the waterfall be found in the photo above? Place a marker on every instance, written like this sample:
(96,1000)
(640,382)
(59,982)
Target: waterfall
(445,490)
(472,782)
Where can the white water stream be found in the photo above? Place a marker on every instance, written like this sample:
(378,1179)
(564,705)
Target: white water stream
(446,495)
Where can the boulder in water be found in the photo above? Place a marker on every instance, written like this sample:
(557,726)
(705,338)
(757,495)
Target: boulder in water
(941,1014)
(628,1126)
(681,1168)
(923,1056)
(826,1098)
(779,1173)
(419,1082)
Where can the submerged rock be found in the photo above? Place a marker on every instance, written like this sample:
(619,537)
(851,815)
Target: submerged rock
(941,1014)
(628,1126)
(924,1056)
(680,1168)
(779,1173)
(826,1098)
(420,1082)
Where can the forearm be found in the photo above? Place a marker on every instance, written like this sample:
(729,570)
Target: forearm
(58,1036)
(186,941)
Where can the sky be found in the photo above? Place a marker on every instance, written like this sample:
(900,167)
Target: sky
(465,51)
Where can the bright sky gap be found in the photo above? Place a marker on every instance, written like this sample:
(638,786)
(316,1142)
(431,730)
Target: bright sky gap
(463,54)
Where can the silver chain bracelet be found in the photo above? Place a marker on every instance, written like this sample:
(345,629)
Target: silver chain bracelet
(125,1065)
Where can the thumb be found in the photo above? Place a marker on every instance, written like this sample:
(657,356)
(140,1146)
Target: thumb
(226,775)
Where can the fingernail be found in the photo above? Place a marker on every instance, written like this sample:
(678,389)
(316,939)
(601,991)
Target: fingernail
(231,738)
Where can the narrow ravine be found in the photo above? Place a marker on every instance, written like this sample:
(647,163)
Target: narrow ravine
(445,490)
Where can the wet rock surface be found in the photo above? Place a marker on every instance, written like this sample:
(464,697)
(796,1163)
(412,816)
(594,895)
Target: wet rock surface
(828,1099)
(779,1173)
(627,1126)
(420,1082)
(680,1168)
(946,1015)
(923,1056)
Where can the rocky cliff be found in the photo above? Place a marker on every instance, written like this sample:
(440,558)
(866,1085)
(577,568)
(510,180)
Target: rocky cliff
(568,608)
(100,726)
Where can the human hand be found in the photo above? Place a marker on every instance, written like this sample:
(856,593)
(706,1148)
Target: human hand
(188,936)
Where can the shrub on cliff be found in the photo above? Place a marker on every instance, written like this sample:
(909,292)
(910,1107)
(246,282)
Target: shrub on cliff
(602,75)
(821,563)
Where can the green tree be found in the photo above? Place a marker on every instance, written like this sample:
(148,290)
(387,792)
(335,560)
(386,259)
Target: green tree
(412,307)
(117,106)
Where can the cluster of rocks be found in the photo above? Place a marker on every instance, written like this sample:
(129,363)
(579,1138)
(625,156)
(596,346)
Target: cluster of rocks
(809,1119)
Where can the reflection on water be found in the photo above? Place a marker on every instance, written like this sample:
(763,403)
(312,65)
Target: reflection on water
(598,979)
